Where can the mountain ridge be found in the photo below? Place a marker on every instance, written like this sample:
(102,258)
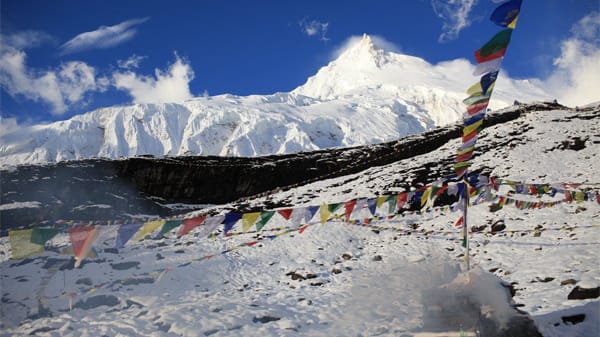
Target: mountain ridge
(365,96)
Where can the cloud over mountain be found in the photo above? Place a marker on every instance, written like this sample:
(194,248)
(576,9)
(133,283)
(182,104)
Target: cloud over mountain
(575,80)
(167,86)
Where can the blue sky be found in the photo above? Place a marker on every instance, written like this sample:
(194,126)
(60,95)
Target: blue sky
(66,57)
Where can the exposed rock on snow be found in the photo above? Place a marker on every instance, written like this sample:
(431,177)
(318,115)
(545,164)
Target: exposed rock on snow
(579,293)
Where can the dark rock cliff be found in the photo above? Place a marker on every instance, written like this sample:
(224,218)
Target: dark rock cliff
(113,189)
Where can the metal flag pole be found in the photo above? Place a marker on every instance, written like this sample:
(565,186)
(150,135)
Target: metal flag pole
(465,229)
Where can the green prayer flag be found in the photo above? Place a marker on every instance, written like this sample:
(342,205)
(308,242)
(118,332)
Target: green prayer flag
(41,235)
(168,226)
(264,218)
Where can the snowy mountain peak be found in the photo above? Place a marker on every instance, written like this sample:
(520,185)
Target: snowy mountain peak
(366,95)
(362,54)
(363,65)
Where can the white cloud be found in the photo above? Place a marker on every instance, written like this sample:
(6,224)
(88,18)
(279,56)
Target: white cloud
(103,37)
(314,28)
(378,41)
(454,14)
(576,80)
(168,86)
(68,84)
(8,126)
(132,62)
(27,39)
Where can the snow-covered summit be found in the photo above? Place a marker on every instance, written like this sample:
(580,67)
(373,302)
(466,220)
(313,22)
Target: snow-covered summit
(364,65)
(365,96)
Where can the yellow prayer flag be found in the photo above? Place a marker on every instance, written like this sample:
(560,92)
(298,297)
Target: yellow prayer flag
(425,196)
(475,90)
(470,128)
(249,219)
(21,245)
(148,228)
(324,212)
(381,200)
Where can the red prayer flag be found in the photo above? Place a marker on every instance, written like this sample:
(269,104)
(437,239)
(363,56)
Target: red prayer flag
(349,206)
(286,213)
(82,238)
(401,200)
(189,224)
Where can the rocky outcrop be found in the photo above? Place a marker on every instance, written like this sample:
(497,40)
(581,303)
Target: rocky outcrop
(114,189)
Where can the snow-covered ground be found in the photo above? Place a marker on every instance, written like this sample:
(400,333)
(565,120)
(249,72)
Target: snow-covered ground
(338,279)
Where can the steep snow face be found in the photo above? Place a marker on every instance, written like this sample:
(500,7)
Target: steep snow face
(365,96)
(435,89)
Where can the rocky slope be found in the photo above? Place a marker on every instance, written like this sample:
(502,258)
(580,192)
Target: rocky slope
(106,189)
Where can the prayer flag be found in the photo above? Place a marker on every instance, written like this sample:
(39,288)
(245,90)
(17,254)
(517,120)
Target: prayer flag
(82,238)
(324,212)
(41,235)
(286,213)
(248,220)
(230,219)
(209,225)
(168,226)
(148,228)
(459,222)
(372,204)
(21,245)
(125,232)
(506,14)
(349,207)
(425,196)
(264,218)
(381,200)
(401,200)
(495,47)
(488,67)
(392,202)
(189,224)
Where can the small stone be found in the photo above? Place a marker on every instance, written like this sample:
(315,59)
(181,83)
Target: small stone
(295,276)
(573,319)
(265,319)
(543,280)
(478,228)
(336,271)
(86,281)
(498,226)
(377,258)
(568,282)
(346,256)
